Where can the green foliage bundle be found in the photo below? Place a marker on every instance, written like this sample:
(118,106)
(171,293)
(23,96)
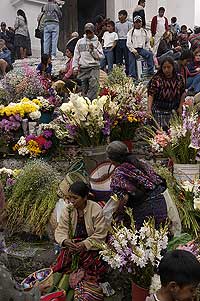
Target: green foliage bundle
(184,202)
(33,199)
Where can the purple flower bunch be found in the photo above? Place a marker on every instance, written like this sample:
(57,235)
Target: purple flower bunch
(72,129)
(108,123)
(12,123)
(54,99)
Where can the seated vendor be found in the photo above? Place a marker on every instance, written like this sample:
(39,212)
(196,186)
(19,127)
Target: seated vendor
(68,71)
(5,58)
(45,67)
(81,226)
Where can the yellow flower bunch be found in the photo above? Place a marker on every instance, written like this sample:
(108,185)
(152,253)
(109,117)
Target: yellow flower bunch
(33,148)
(25,106)
(37,102)
(131,118)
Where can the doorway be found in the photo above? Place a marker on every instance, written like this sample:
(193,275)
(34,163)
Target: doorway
(88,10)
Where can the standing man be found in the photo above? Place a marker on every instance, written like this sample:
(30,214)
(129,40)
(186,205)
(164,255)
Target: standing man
(138,43)
(159,25)
(53,14)
(122,28)
(86,61)
(139,11)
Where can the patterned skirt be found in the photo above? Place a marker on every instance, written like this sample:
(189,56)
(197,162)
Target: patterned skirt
(86,286)
(162,118)
(154,206)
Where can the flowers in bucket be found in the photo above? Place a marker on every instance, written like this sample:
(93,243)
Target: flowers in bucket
(88,122)
(188,206)
(131,100)
(33,145)
(182,142)
(193,188)
(137,252)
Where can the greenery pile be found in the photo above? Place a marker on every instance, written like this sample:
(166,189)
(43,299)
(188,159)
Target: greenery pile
(184,202)
(33,199)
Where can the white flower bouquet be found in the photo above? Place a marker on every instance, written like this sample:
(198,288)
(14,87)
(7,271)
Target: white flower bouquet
(89,122)
(193,189)
(136,251)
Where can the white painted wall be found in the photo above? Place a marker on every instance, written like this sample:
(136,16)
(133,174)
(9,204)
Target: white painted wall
(197,12)
(32,9)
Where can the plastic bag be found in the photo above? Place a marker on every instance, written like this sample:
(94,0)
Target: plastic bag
(110,208)
(173,214)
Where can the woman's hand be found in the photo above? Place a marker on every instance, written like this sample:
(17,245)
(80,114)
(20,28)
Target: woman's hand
(80,246)
(70,245)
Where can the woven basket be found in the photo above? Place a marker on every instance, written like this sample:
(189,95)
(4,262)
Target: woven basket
(46,283)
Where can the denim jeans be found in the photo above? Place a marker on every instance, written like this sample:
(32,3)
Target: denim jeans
(194,83)
(51,33)
(122,53)
(109,59)
(147,55)
(174,55)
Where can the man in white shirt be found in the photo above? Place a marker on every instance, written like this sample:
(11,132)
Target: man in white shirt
(138,43)
(159,25)
(109,38)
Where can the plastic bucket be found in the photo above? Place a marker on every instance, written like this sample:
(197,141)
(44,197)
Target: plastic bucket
(93,156)
(186,172)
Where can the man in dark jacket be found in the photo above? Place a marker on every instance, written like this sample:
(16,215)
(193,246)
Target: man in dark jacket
(8,36)
(5,58)
(139,11)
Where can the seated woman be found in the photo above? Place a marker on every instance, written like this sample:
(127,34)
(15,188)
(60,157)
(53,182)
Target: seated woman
(165,48)
(81,226)
(45,67)
(5,58)
(137,186)
(68,71)
(193,73)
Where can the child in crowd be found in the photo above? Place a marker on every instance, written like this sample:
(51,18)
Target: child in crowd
(175,30)
(183,36)
(68,72)
(110,38)
(174,26)
(122,28)
(86,62)
(45,67)
(179,274)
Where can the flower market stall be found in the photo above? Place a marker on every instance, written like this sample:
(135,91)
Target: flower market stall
(58,136)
